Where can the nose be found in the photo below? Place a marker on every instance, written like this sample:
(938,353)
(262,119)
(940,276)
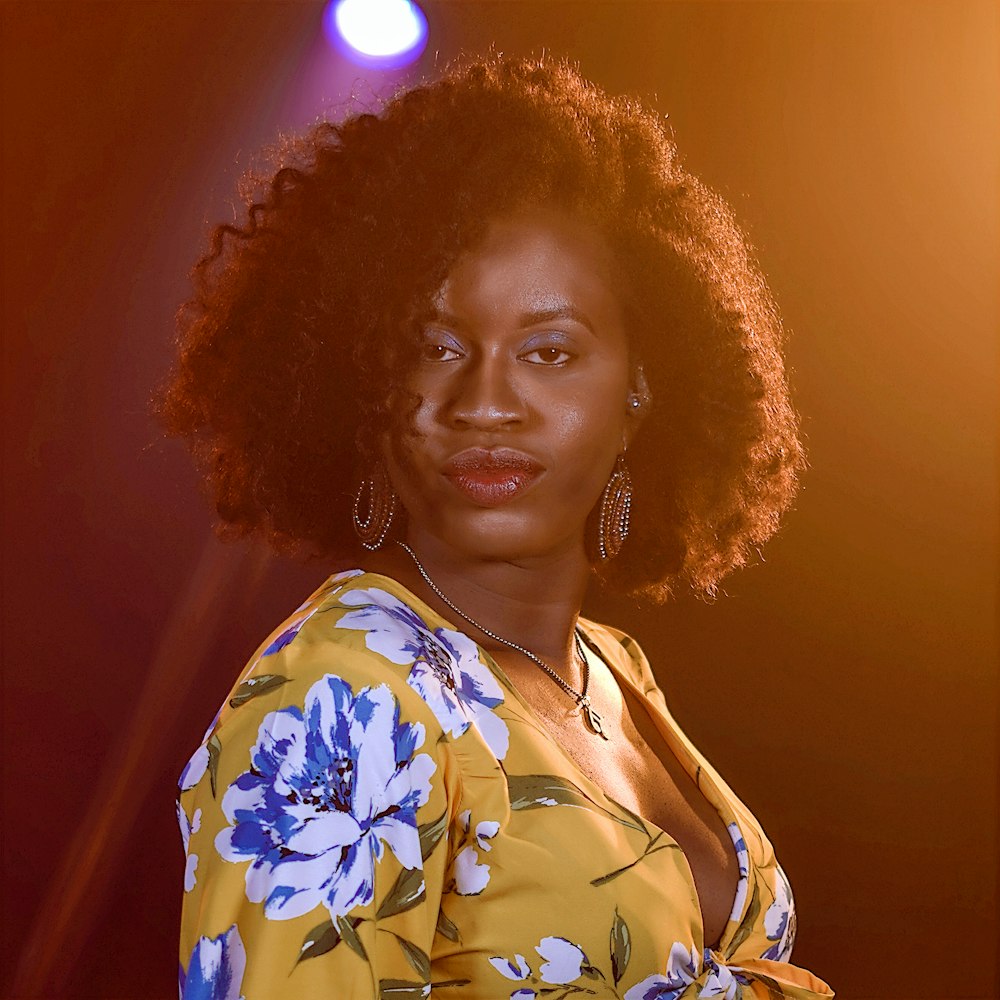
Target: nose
(486,395)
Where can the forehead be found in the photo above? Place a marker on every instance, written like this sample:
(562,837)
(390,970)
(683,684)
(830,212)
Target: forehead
(531,261)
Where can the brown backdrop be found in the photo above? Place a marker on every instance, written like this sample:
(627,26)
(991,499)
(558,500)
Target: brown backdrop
(847,687)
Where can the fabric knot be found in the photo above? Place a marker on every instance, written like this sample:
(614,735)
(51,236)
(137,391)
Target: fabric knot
(720,980)
(689,975)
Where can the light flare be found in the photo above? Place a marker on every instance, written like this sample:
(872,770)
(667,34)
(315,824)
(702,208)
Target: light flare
(387,34)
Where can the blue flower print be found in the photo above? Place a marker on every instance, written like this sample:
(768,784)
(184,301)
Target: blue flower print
(189,826)
(446,670)
(779,921)
(328,788)
(293,626)
(215,969)
(684,970)
(471,877)
(304,612)
(196,767)
(517,970)
(743,860)
(564,961)
(290,632)
(724,981)
(563,964)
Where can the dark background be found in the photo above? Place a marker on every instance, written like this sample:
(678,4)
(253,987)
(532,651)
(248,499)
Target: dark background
(847,688)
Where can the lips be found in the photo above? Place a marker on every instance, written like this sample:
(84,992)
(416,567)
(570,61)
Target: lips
(490,477)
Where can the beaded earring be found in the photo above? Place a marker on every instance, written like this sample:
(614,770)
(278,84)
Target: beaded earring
(616,509)
(377,495)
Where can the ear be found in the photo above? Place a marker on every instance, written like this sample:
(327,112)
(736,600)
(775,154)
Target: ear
(637,403)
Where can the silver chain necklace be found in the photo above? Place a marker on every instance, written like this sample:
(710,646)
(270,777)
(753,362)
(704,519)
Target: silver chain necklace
(582,699)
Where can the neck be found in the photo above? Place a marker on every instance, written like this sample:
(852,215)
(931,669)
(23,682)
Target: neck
(534,602)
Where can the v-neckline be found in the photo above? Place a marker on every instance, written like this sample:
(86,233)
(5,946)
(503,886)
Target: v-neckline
(674,744)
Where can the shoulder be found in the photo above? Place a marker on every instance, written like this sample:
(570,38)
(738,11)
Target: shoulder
(319,664)
(360,648)
(356,632)
(325,775)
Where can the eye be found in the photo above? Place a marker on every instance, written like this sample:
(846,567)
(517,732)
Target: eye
(439,352)
(438,346)
(550,356)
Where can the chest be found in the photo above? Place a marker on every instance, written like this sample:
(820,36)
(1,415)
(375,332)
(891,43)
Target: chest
(636,768)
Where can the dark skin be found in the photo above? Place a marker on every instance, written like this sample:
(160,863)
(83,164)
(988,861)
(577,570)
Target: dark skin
(527,350)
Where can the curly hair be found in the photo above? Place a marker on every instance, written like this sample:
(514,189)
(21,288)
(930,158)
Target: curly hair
(293,349)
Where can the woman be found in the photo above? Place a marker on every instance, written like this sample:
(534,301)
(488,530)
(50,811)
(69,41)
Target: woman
(476,351)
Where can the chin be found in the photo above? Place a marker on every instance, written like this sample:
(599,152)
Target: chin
(507,535)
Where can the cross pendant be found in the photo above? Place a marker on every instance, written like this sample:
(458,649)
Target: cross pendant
(591,718)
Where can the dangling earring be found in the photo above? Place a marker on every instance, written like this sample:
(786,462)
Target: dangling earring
(616,508)
(381,503)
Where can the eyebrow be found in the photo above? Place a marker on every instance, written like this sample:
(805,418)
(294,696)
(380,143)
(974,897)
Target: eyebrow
(525,320)
(560,312)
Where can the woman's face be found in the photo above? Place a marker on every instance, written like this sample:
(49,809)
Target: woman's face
(524,382)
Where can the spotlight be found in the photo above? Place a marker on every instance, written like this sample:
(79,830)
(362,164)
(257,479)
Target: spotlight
(385,34)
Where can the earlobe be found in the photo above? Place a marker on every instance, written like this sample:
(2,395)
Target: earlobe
(640,397)
(637,404)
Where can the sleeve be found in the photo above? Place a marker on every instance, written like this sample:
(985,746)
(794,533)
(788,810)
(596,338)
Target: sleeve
(315,820)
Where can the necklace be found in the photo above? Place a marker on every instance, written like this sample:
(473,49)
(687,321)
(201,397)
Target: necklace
(582,699)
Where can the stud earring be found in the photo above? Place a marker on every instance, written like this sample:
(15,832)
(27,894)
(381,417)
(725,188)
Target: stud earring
(616,511)
(640,396)
(377,495)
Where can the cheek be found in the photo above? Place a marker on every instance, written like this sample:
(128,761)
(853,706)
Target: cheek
(596,410)
(589,439)
(431,390)
(423,422)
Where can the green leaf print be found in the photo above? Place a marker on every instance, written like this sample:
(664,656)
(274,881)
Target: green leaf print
(406,892)
(321,939)
(621,947)
(627,643)
(447,929)
(639,821)
(533,791)
(416,956)
(349,936)
(431,834)
(254,687)
(392,989)
(214,746)
(536,791)
(774,990)
(651,848)
(563,992)
(326,936)
(746,924)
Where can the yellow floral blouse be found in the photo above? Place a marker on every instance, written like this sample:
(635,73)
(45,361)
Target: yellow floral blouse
(376,813)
